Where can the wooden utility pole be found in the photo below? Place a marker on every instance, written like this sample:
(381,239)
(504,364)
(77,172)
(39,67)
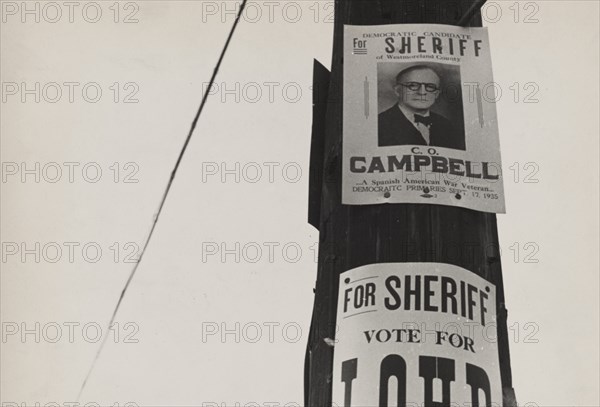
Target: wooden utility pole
(357,235)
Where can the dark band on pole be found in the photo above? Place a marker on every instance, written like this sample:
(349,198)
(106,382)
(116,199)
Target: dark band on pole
(471,11)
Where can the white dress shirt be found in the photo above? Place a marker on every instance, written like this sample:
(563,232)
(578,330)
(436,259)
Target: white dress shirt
(410,115)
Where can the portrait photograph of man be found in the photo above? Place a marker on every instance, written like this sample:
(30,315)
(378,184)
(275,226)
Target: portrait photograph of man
(420,104)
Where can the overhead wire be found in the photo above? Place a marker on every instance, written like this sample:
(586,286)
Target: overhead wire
(164,196)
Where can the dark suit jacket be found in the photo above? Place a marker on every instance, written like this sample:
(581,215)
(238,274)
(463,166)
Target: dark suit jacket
(396,130)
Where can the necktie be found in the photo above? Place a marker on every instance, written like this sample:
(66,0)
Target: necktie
(426,120)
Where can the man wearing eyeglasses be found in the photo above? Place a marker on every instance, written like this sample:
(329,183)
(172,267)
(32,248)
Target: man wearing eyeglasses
(410,121)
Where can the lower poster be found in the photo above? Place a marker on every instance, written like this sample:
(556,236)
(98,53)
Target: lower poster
(415,334)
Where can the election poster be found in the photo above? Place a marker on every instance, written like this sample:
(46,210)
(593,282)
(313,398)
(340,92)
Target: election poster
(415,334)
(419,117)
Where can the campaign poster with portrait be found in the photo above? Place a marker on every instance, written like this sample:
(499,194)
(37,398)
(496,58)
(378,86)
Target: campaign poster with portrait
(415,334)
(419,121)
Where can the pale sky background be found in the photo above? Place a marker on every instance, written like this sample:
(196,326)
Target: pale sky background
(166,56)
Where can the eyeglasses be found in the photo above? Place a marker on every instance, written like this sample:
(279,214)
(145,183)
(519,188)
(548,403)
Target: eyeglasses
(415,86)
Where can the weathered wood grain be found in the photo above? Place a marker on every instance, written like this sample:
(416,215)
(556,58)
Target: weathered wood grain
(352,236)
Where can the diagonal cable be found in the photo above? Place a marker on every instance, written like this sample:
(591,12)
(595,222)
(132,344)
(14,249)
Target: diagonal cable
(164,197)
